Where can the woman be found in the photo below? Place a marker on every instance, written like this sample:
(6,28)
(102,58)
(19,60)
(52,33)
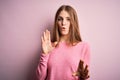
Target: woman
(66,57)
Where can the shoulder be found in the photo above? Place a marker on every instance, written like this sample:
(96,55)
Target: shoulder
(54,44)
(83,44)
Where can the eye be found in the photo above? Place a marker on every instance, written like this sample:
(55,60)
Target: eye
(60,19)
(68,19)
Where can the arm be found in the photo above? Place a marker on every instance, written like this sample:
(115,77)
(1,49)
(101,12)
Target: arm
(42,67)
(86,57)
(83,67)
(46,48)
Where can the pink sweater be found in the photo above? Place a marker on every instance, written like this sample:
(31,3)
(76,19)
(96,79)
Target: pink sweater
(62,62)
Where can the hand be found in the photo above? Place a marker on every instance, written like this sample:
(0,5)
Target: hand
(46,42)
(82,72)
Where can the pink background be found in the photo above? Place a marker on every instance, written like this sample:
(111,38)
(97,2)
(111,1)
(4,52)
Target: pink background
(22,23)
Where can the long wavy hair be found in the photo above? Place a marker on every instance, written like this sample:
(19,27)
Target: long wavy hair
(74,32)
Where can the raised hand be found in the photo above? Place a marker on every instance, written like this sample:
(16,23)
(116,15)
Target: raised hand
(82,71)
(46,42)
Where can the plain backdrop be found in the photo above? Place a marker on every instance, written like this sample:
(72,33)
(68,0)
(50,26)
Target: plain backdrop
(22,23)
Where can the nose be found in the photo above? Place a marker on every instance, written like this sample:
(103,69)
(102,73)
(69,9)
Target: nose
(64,22)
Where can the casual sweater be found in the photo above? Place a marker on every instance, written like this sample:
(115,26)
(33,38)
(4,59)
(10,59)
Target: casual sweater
(63,61)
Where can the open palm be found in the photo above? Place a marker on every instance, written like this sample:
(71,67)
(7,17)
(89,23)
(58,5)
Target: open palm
(82,71)
(46,42)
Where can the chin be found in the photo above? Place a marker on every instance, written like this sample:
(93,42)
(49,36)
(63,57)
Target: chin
(64,34)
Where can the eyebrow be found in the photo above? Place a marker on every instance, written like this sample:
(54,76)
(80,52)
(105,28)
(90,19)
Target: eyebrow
(62,17)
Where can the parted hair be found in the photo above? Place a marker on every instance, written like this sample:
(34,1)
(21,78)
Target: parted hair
(74,32)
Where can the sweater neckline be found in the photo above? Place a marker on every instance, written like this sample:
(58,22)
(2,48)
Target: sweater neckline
(63,43)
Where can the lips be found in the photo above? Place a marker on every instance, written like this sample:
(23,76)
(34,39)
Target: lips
(63,28)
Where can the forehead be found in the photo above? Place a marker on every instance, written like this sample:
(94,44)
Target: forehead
(64,13)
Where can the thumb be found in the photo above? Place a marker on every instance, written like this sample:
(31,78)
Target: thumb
(75,74)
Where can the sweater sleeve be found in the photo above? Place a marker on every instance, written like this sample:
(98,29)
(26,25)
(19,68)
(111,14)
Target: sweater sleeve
(86,57)
(41,71)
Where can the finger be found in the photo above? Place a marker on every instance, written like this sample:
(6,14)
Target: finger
(87,77)
(42,39)
(86,72)
(86,67)
(80,65)
(75,74)
(82,61)
(48,35)
(44,36)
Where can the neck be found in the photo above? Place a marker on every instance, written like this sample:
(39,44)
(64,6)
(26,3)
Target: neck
(64,39)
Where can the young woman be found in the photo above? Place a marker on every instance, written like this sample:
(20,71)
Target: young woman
(67,56)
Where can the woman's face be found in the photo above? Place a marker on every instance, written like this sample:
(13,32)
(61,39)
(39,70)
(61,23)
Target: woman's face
(63,22)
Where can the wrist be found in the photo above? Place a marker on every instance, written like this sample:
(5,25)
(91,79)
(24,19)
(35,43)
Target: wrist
(44,52)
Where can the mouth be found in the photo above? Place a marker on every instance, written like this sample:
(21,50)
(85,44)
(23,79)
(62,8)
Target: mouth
(63,28)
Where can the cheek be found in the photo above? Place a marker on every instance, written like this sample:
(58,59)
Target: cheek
(59,22)
(68,26)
